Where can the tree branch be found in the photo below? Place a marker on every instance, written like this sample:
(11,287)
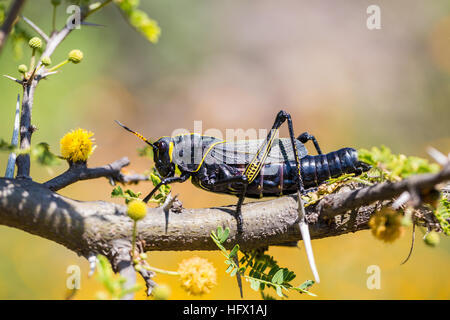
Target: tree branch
(93,227)
(341,202)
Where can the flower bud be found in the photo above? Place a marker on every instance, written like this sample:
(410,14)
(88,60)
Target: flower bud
(137,210)
(35,43)
(46,61)
(75,56)
(22,68)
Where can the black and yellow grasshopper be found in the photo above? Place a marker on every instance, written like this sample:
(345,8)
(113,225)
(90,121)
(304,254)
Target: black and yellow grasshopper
(270,167)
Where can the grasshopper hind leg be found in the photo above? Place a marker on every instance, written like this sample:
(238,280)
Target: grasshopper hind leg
(305,137)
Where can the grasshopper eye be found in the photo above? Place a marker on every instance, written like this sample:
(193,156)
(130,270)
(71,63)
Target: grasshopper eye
(162,146)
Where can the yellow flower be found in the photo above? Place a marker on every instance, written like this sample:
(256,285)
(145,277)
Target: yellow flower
(137,210)
(197,275)
(77,145)
(386,225)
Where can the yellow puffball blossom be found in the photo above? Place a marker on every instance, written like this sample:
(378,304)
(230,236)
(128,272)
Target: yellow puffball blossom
(77,145)
(137,210)
(387,225)
(75,56)
(197,275)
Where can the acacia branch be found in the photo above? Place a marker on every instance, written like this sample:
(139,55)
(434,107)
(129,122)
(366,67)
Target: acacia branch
(93,227)
(387,190)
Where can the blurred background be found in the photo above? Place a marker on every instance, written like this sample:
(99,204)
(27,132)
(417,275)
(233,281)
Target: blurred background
(235,64)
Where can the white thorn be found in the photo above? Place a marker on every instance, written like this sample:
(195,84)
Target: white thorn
(304,230)
(405,196)
(14,142)
(92,264)
(438,156)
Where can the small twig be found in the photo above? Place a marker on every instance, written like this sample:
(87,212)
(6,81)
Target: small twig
(36,28)
(14,141)
(148,275)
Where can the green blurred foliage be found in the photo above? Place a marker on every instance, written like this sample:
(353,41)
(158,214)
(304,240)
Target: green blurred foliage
(443,215)
(395,167)
(140,20)
(114,284)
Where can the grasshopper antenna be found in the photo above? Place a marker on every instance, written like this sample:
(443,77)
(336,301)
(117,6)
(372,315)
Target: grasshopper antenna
(137,134)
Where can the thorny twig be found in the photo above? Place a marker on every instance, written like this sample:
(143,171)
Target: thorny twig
(79,171)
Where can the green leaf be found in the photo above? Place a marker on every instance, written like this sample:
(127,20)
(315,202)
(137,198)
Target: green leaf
(279,292)
(254,284)
(234,251)
(224,235)
(278,278)
(442,214)
(155,179)
(41,153)
(306,285)
(133,194)
(128,194)
(117,192)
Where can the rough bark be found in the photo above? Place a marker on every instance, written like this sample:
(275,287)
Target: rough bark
(94,226)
